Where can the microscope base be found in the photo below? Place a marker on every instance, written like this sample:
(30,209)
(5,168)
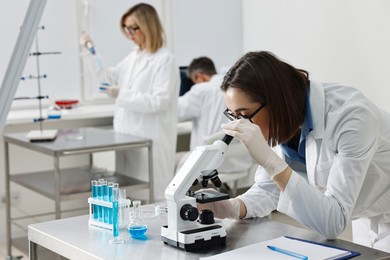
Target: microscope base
(195,239)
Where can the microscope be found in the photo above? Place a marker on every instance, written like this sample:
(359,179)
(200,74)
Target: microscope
(183,229)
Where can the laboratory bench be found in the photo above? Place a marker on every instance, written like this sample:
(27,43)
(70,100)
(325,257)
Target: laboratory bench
(73,238)
(71,183)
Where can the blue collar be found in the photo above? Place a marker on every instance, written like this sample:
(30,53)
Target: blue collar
(299,155)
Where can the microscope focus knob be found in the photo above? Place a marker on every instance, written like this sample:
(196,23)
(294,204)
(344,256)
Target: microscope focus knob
(206,216)
(188,212)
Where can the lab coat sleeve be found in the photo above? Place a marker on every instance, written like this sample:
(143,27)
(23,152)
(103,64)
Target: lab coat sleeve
(164,89)
(262,198)
(355,142)
(189,104)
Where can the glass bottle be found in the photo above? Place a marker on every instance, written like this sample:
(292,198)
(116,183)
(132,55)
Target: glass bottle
(137,228)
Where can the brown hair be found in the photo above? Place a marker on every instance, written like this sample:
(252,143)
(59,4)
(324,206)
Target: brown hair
(149,24)
(266,79)
(202,64)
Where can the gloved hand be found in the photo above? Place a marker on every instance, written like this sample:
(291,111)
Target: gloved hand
(223,208)
(251,136)
(84,38)
(86,42)
(111,90)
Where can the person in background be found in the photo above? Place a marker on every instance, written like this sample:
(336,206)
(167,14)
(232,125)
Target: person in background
(203,105)
(145,86)
(334,146)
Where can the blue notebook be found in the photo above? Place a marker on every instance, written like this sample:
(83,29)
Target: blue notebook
(351,255)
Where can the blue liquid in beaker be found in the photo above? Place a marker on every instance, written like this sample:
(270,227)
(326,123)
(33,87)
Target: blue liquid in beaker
(138,232)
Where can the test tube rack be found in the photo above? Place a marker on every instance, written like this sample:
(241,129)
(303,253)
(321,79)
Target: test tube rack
(124,204)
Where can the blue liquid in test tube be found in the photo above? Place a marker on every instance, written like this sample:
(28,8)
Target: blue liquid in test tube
(110,186)
(99,197)
(94,196)
(115,209)
(105,198)
(115,217)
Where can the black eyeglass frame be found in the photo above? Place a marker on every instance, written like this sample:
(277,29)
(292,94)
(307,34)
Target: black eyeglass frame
(229,114)
(131,30)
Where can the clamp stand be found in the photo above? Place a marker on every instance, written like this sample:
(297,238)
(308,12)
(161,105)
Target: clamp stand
(39,135)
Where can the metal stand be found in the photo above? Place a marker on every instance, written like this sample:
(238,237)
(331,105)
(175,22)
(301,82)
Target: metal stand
(40,135)
(19,57)
(11,81)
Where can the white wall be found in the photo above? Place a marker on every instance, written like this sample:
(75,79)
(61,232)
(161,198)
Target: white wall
(59,20)
(206,28)
(336,41)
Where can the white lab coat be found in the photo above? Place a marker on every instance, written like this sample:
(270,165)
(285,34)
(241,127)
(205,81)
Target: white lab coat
(147,107)
(347,165)
(203,104)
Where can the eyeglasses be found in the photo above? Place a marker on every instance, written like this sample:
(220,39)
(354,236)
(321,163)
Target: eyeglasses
(231,116)
(131,30)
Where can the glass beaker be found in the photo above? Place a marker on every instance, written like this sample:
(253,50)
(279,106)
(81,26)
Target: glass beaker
(137,228)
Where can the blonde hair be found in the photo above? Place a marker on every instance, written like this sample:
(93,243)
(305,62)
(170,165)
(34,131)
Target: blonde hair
(149,23)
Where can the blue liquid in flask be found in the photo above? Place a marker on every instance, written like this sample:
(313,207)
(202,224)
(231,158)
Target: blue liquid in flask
(138,231)
(137,227)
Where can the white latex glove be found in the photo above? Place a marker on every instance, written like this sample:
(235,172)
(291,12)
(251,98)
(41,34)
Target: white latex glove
(223,208)
(84,38)
(112,90)
(251,136)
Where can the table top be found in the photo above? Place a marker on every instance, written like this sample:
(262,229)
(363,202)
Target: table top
(76,140)
(74,239)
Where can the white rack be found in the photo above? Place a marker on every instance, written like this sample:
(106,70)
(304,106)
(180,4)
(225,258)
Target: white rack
(122,203)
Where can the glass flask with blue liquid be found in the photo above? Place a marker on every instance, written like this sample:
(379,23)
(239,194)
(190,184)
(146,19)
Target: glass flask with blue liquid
(137,228)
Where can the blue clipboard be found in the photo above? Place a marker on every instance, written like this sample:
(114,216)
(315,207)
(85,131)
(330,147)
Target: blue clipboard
(353,253)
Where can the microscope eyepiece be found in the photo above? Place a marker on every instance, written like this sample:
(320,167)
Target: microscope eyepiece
(204,182)
(216,181)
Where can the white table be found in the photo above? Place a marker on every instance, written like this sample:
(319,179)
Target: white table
(74,239)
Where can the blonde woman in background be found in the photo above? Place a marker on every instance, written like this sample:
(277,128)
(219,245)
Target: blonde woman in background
(145,86)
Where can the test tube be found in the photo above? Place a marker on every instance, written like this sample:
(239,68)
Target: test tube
(99,197)
(94,196)
(105,198)
(115,186)
(110,186)
(123,208)
(115,218)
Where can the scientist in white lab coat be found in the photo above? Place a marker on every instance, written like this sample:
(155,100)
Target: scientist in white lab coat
(203,104)
(145,85)
(335,150)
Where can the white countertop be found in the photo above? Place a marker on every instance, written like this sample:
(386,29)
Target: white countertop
(75,239)
(80,112)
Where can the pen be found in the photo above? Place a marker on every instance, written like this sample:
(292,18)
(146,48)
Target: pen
(286,252)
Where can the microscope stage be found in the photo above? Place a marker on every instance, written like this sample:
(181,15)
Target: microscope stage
(207,196)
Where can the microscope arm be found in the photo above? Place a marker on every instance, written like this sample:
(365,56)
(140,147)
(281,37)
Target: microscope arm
(207,157)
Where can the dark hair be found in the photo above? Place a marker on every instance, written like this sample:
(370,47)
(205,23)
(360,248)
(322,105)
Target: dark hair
(149,23)
(266,79)
(202,64)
